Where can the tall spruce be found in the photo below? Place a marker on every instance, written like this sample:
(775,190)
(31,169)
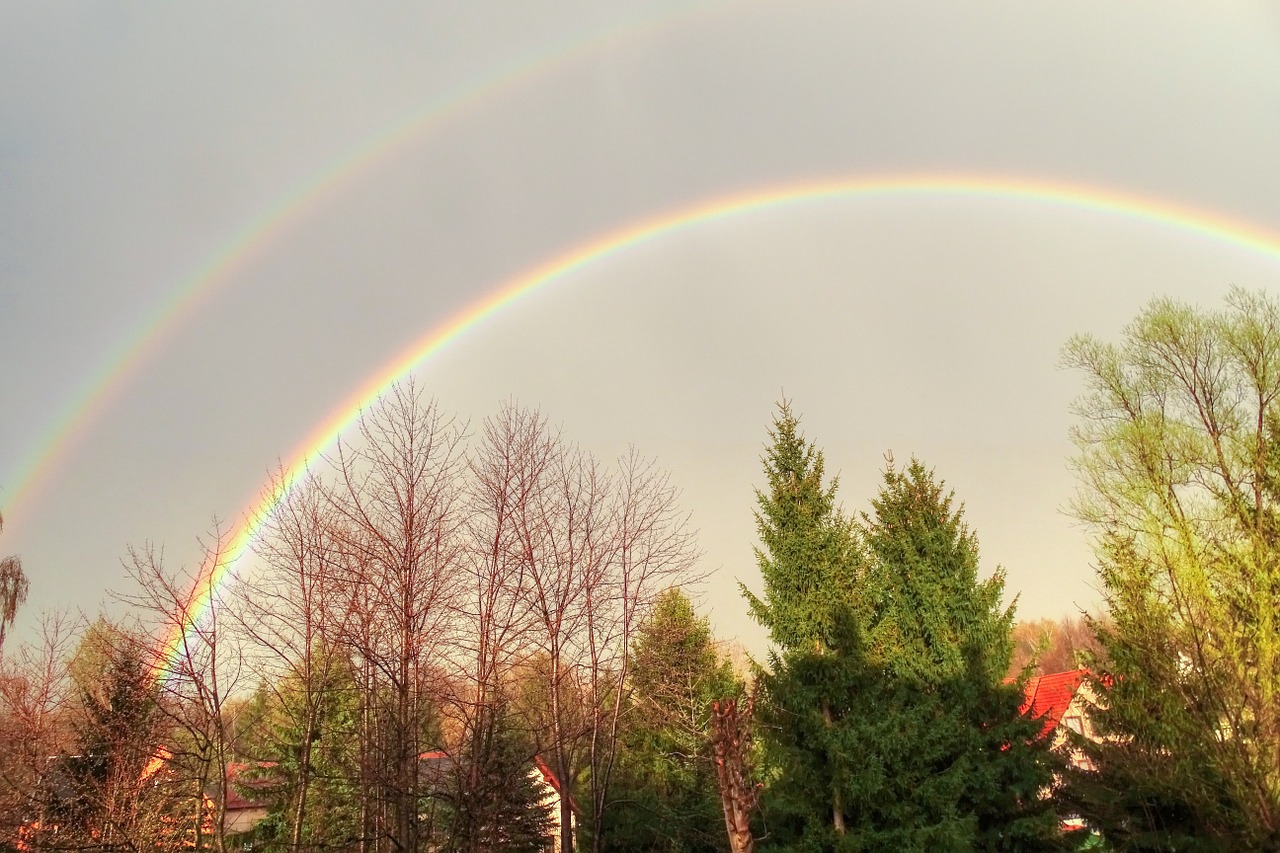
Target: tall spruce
(933,618)
(808,561)
(807,555)
(887,724)
(940,641)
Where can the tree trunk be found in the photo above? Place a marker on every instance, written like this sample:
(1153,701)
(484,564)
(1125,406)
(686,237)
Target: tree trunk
(731,745)
(837,803)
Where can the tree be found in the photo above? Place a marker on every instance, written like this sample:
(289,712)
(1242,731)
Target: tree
(939,639)
(35,695)
(1052,645)
(809,563)
(399,557)
(104,795)
(666,798)
(500,805)
(504,474)
(808,557)
(297,615)
(192,678)
(13,590)
(1177,462)
(886,722)
(595,547)
(303,748)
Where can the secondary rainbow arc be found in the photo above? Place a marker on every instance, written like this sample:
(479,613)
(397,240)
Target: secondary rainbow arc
(96,394)
(1095,199)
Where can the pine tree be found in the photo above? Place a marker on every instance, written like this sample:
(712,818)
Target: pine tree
(665,796)
(808,559)
(896,731)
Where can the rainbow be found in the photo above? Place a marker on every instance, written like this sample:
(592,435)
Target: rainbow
(264,229)
(1195,222)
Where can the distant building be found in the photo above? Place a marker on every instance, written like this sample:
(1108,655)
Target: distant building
(1060,700)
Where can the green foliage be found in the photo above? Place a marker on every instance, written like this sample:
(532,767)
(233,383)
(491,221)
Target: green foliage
(947,764)
(302,739)
(664,795)
(96,792)
(807,558)
(930,613)
(887,724)
(1177,457)
(498,801)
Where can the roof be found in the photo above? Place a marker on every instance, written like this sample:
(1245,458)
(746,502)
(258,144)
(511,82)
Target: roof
(549,776)
(1049,696)
(237,788)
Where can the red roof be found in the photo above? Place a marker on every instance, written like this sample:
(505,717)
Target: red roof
(1049,696)
(549,776)
(236,788)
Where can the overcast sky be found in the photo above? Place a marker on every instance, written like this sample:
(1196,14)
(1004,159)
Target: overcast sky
(138,141)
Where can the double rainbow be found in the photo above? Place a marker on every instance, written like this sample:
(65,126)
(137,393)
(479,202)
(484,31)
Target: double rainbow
(1180,218)
(264,229)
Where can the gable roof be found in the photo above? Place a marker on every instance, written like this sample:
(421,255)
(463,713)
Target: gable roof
(247,793)
(1049,696)
(549,776)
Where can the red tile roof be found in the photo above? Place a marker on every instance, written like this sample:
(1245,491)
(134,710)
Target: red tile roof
(240,792)
(1049,696)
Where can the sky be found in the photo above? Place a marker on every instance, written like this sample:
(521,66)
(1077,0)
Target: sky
(219,222)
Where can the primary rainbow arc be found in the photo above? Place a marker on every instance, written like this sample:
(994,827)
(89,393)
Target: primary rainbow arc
(1093,199)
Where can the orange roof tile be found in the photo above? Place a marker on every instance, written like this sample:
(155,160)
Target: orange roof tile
(1049,696)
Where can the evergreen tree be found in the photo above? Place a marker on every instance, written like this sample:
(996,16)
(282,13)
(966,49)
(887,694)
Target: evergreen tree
(317,781)
(665,796)
(891,728)
(105,794)
(932,617)
(502,804)
(807,555)
(943,642)
(809,564)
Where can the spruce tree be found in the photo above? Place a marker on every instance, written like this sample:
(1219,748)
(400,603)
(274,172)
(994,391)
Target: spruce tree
(809,564)
(940,639)
(807,555)
(933,618)
(887,724)
(664,794)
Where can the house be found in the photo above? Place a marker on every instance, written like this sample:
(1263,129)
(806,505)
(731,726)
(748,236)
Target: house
(435,768)
(245,807)
(1060,700)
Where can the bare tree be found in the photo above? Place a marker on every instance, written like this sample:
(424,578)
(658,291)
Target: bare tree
(197,670)
(1053,645)
(396,501)
(596,549)
(295,613)
(649,550)
(34,725)
(515,448)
